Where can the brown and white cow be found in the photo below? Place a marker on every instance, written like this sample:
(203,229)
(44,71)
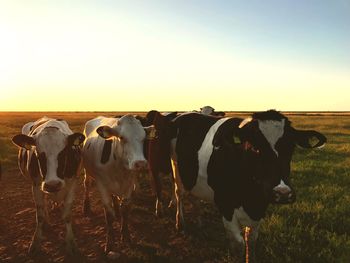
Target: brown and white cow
(50,155)
(113,156)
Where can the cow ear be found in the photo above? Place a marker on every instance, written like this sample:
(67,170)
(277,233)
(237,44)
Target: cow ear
(151,132)
(106,132)
(23,141)
(76,139)
(309,139)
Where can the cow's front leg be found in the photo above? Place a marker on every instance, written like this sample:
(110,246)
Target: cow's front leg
(38,196)
(86,205)
(234,234)
(110,248)
(109,217)
(124,214)
(71,246)
(250,238)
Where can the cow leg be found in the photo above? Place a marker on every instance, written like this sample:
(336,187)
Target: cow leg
(197,209)
(115,202)
(124,214)
(250,238)
(173,197)
(86,205)
(179,192)
(109,217)
(71,246)
(38,196)
(234,234)
(157,190)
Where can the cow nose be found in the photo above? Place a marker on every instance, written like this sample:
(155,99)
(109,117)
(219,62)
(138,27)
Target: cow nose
(283,196)
(52,187)
(140,165)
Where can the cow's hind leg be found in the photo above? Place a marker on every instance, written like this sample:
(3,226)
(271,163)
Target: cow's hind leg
(179,192)
(38,195)
(71,246)
(157,190)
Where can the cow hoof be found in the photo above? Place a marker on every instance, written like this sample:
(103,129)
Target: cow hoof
(125,239)
(72,250)
(87,212)
(171,204)
(159,208)
(33,249)
(112,255)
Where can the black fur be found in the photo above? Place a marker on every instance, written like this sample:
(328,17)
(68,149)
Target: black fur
(191,129)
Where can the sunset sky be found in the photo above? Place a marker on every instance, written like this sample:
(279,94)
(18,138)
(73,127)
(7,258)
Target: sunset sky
(174,55)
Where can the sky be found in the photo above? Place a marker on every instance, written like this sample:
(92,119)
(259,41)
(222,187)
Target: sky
(139,55)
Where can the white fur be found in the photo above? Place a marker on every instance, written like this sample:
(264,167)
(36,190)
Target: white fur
(282,187)
(116,175)
(201,189)
(239,220)
(51,138)
(272,130)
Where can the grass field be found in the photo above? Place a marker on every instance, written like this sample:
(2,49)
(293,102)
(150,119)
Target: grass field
(316,228)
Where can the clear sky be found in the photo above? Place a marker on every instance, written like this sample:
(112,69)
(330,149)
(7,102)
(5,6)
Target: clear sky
(138,55)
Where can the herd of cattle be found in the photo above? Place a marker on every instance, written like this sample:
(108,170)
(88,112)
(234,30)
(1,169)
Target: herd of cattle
(240,165)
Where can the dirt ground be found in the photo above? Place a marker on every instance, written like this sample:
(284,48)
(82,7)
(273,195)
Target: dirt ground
(153,239)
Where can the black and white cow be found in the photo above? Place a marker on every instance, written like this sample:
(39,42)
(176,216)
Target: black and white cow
(113,156)
(50,155)
(240,165)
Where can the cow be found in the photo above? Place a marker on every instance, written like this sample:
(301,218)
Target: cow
(208,110)
(240,165)
(157,152)
(113,156)
(50,154)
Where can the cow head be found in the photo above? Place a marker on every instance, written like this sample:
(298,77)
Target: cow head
(207,110)
(130,135)
(52,148)
(266,142)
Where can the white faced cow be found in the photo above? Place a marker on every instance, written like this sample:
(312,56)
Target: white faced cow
(240,165)
(113,156)
(50,155)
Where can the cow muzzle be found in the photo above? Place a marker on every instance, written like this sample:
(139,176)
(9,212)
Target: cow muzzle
(52,187)
(141,165)
(283,195)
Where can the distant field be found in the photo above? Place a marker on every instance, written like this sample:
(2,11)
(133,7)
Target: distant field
(314,229)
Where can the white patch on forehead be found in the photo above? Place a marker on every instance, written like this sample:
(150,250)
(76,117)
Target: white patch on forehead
(51,141)
(272,130)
